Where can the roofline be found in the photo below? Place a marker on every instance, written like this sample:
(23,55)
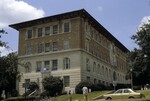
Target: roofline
(78,13)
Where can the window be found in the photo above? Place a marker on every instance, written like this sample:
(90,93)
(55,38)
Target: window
(55,46)
(40,48)
(27,80)
(47,65)
(66,44)
(127,91)
(88,65)
(66,63)
(47,47)
(94,67)
(29,34)
(119,91)
(66,81)
(95,81)
(66,27)
(47,30)
(88,78)
(54,64)
(39,66)
(28,49)
(28,67)
(39,32)
(55,29)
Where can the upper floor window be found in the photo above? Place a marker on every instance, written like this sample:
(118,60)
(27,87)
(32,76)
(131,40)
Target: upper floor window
(66,27)
(39,66)
(88,65)
(29,34)
(55,46)
(47,30)
(28,49)
(55,29)
(66,63)
(39,32)
(40,48)
(54,64)
(66,44)
(47,47)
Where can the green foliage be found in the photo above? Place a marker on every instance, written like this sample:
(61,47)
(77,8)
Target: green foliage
(33,86)
(8,72)
(82,84)
(140,57)
(32,98)
(52,85)
(2,44)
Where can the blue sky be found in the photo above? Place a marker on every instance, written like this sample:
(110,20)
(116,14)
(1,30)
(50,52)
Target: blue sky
(120,17)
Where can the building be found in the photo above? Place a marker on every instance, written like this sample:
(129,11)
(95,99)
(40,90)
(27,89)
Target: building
(71,45)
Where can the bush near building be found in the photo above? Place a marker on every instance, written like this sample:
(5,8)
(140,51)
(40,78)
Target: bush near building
(52,85)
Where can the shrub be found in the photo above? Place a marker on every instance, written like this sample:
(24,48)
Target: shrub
(33,86)
(79,87)
(52,85)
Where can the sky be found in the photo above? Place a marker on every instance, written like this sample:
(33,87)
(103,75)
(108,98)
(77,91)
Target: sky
(121,18)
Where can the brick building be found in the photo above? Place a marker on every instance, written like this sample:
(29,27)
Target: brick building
(71,45)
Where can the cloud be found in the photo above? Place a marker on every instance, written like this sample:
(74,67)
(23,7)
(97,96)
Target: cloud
(145,20)
(14,11)
(4,51)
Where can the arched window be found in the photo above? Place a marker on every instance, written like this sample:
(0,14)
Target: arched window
(94,67)
(66,63)
(88,65)
(98,68)
(28,67)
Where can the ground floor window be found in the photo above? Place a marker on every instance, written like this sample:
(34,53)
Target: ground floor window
(66,81)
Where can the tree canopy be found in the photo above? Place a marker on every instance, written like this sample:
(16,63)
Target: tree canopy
(2,44)
(140,57)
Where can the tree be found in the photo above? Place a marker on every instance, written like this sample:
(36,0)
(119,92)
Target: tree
(52,85)
(140,57)
(2,44)
(8,72)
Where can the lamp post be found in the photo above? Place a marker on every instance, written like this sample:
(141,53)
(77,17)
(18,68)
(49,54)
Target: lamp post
(131,79)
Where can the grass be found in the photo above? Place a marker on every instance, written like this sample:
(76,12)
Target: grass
(92,95)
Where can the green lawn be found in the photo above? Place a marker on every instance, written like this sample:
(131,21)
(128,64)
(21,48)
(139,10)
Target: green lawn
(92,95)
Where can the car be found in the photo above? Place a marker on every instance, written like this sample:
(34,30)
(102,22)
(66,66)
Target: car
(123,94)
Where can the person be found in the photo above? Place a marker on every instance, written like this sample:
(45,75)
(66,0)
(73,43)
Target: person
(85,92)
(69,95)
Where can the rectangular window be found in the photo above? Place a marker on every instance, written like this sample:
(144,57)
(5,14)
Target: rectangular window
(54,64)
(88,78)
(39,66)
(47,65)
(28,49)
(47,30)
(66,81)
(55,29)
(39,32)
(66,44)
(40,48)
(47,47)
(29,34)
(55,46)
(66,27)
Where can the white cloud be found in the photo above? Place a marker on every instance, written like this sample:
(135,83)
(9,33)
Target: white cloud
(4,51)
(14,11)
(145,20)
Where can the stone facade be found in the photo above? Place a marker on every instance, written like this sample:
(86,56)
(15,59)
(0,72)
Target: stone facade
(73,46)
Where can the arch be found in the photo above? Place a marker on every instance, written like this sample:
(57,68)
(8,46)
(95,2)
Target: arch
(27,67)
